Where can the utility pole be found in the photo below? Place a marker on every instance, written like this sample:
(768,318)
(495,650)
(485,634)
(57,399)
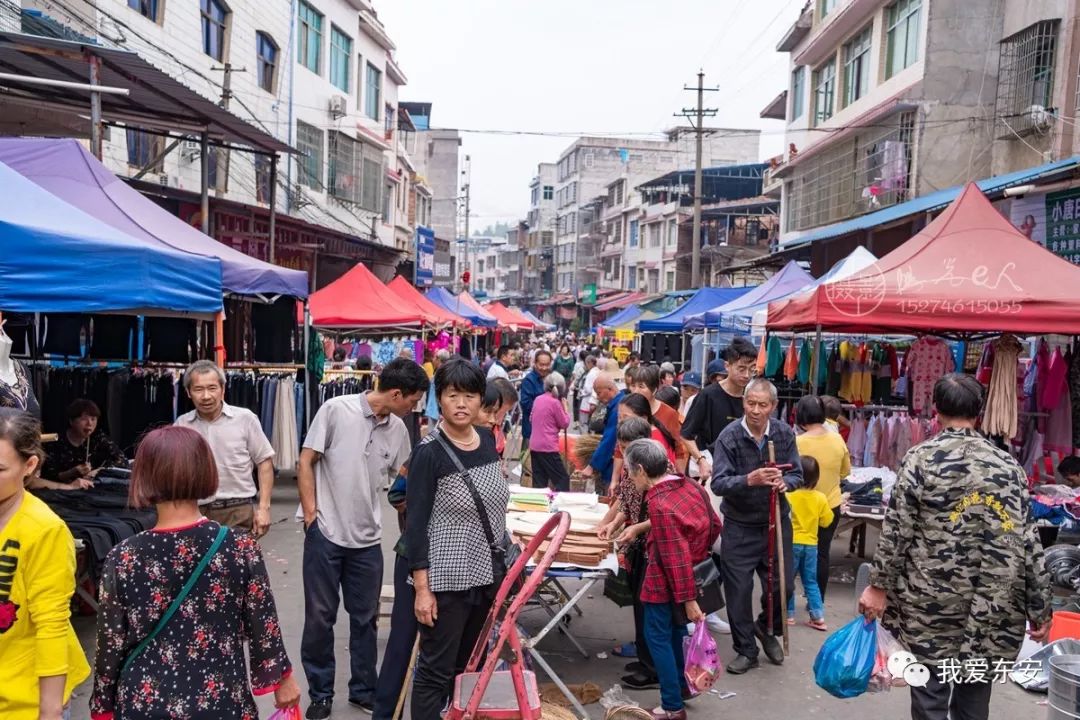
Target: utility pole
(467,172)
(696,118)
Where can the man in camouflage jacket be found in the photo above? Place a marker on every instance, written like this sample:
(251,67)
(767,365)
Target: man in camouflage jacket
(959,567)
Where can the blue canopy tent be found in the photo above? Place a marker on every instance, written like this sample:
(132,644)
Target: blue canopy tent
(59,259)
(625,316)
(727,316)
(704,299)
(448,301)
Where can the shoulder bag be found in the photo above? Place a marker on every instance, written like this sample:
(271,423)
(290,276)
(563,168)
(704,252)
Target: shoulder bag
(710,597)
(503,554)
(178,600)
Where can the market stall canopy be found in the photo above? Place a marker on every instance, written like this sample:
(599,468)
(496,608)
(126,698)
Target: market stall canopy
(468,301)
(56,258)
(540,324)
(627,315)
(507,318)
(67,170)
(704,299)
(859,259)
(968,271)
(434,314)
(450,302)
(730,315)
(359,300)
(620,301)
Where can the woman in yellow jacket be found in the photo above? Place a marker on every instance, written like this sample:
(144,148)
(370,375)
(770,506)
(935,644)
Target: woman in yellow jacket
(41,661)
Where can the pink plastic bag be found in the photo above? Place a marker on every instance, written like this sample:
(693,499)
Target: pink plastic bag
(702,662)
(291,713)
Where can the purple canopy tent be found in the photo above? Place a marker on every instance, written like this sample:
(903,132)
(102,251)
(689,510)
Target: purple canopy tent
(64,168)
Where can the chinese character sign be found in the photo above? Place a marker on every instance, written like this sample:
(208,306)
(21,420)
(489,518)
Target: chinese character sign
(1063,224)
(425,257)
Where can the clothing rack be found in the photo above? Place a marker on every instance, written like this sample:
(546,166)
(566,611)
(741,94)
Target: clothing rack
(876,408)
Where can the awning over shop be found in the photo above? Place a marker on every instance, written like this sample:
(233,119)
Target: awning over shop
(507,318)
(56,258)
(930,202)
(621,301)
(359,300)
(704,299)
(791,278)
(67,170)
(448,301)
(859,259)
(968,271)
(434,314)
(558,299)
(626,316)
(540,324)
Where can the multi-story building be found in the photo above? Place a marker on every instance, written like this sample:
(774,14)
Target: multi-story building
(318,75)
(892,100)
(538,276)
(436,154)
(587,168)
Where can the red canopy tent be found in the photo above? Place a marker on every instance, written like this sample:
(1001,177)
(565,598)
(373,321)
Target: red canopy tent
(470,303)
(433,314)
(509,318)
(358,299)
(968,271)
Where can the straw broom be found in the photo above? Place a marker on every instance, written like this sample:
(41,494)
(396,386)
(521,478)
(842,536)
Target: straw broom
(584,448)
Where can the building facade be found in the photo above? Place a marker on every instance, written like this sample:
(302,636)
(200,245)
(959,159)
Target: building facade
(538,273)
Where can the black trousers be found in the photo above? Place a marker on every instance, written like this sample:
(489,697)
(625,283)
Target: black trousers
(445,648)
(940,701)
(549,471)
(743,552)
(395,662)
(637,579)
(824,544)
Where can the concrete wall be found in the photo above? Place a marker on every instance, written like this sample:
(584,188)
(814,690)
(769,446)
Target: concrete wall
(437,160)
(9,16)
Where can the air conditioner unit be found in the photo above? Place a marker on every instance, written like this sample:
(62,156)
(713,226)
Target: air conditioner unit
(339,106)
(1040,117)
(189,149)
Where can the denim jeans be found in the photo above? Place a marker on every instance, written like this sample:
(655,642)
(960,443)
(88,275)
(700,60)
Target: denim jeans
(395,662)
(806,568)
(329,571)
(665,637)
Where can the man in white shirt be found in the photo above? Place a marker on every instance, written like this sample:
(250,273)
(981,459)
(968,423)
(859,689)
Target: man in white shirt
(239,445)
(588,395)
(356,443)
(504,358)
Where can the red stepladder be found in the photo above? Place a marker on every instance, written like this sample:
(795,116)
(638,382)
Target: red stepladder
(483,693)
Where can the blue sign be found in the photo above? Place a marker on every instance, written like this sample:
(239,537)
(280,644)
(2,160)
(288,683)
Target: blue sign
(425,256)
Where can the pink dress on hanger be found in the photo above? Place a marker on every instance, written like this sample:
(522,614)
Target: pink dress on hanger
(1052,384)
(927,360)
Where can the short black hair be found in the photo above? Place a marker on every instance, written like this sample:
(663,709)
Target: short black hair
(405,375)
(740,349)
(493,398)
(503,351)
(669,396)
(810,472)
(363,362)
(339,353)
(648,375)
(582,355)
(461,375)
(633,356)
(1069,465)
(506,389)
(81,407)
(810,410)
(958,396)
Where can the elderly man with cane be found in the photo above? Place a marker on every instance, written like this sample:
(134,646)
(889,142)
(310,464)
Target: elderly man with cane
(747,476)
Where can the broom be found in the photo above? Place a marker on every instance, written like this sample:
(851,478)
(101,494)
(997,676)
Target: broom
(584,448)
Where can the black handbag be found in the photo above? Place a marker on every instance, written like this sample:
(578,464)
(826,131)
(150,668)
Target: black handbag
(503,553)
(621,588)
(710,597)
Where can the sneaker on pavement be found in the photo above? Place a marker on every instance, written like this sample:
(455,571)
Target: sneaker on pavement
(717,624)
(367,706)
(319,710)
(773,650)
(641,681)
(741,664)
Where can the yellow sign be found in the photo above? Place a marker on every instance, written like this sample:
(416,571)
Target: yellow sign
(620,354)
(624,335)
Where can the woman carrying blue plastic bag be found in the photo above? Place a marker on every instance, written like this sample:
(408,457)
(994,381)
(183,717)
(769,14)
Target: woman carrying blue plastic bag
(845,662)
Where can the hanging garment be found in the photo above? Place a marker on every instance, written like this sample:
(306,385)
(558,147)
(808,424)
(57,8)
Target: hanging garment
(1073,360)
(873,437)
(857,440)
(1000,414)
(1052,387)
(791,362)
(864,378)
(284,438)
(846,359)
(927,360)
(805,360)
(774,357)
(986,364)
(833,370)
(1059,427)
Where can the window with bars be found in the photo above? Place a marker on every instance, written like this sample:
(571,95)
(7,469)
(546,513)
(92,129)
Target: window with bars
(549,192)
(340,58)
(309,141)
(901,35)
(1026,76)
(870,171)
(857,66)
(798,93)
(824,91)
(309,44)
(214,18)
(633,233)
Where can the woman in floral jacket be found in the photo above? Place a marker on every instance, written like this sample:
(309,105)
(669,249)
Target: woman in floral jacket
(194,665)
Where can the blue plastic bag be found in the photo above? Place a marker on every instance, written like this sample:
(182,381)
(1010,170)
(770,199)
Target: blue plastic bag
(845,662)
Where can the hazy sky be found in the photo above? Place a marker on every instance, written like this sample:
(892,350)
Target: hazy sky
(580,66)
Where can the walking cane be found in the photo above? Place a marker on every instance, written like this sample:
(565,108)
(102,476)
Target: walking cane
(774,520)
(408,679)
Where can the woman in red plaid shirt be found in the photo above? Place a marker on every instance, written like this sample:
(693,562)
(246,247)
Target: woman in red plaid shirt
(684,527)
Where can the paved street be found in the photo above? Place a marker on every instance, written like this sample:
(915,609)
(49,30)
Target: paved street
(770,692)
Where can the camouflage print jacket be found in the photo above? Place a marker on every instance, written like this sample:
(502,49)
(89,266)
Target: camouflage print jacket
(959,555)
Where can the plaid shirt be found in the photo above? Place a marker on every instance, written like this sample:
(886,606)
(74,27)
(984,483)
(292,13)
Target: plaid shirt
(681,536)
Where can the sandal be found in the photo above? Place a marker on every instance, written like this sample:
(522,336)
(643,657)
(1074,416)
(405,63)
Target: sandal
(626,650)
(818,625)
(791,621)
